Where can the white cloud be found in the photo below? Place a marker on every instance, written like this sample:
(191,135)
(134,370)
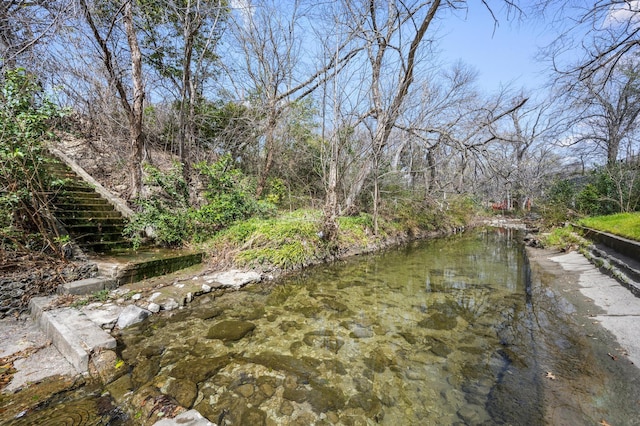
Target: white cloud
(245,9)
(623,13)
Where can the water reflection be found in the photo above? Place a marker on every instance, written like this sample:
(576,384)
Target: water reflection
(423,334)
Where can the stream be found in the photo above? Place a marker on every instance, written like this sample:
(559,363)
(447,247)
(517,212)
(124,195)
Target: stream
(442,332)
(430,333)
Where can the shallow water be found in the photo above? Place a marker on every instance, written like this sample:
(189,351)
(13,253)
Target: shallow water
(445,332)
(424,334)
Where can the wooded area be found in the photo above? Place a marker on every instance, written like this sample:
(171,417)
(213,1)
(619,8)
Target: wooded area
(234,108)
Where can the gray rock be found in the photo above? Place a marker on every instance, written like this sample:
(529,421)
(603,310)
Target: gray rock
(206,288)
(105,315)
(233,278)
(170,305)
(154,307)
(132,314)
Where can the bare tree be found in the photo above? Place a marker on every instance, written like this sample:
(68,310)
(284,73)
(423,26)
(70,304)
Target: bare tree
(24,24)
(396,48)
(600,34)
(132,100)
(605,107)
(523,156)
(269,37)
(181,41)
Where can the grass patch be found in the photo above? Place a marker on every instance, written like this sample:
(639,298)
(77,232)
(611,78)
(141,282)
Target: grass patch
(293,240)
(357,230)
(563,238)
(286,242)
(623,224)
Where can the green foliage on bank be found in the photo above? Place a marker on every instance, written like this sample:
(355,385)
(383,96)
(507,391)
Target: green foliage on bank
(623,224)
(26,122)
(294,239)
(286,242)
(604,191)
(562,238)
(174,220)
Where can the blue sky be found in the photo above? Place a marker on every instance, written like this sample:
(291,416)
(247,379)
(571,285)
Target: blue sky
(502,56)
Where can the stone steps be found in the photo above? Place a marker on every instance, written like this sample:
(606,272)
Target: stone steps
(125,267)
(91,220)
(618,256)
(71,332)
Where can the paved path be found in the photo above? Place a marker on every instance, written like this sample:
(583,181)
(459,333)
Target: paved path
(620,313)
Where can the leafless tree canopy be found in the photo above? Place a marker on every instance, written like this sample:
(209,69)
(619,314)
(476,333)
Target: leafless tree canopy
(347,103)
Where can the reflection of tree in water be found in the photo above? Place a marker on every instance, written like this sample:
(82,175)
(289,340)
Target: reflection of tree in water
(472,304)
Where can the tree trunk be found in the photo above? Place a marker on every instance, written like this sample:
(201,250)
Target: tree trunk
(135,117)
(269,147)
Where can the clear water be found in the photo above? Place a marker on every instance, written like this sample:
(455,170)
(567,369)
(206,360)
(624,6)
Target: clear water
(447,332)
(425,334)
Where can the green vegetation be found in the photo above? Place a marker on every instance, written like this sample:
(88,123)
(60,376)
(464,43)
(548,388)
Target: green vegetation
(604,191)
(26,117)
(293,240)
(286,242)
(168,210)
(563,238)
(623,224)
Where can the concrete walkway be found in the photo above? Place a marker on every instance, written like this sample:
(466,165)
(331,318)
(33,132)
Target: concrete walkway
(620,309)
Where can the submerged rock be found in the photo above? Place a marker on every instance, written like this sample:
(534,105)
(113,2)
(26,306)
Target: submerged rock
(439,321)
(323,340)
(199,370)
(184,391)
(378,361)
(230,330)
(437,347)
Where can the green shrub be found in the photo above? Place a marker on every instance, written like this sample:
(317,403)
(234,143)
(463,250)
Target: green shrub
(26,118)
(166,211)
(227,199)
(286,242)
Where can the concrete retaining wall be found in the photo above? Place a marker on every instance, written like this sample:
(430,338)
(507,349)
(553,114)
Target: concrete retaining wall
(622,245)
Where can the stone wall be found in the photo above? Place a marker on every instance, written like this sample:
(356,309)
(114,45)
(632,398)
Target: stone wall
(17,288)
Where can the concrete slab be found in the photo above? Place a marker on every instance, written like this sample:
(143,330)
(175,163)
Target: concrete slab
(625,328)
(71,332)
(87,286)
(30,369)
(620,308)
(233,278)
(573,261)
(105,315)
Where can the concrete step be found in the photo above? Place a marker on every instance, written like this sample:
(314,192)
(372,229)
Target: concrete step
(88,214)
(71,332)
(129,266)
(618,257)
(73,195)
(100,222)
(96,234)
(95,206)
(106,246)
